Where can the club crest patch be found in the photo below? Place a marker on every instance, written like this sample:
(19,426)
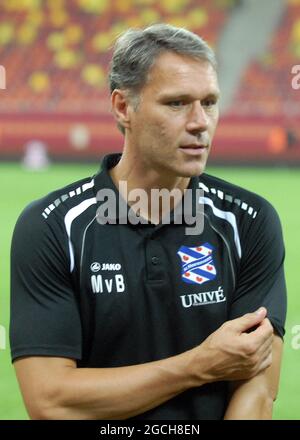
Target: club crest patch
(197,264)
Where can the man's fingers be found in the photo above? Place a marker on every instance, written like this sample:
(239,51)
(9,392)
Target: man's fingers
(265,350)
(250,320)
(266,361)
(263,333)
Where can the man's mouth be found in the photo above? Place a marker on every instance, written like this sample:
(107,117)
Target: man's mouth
(193,149)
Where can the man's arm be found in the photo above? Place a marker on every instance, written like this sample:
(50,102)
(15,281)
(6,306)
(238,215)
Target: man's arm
(53,388)
(253,399)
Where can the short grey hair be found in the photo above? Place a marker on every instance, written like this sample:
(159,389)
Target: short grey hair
(136,51)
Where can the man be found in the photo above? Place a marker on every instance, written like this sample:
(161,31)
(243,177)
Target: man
(124,319)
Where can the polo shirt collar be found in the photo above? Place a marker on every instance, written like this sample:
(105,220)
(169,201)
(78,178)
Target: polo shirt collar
(189,203)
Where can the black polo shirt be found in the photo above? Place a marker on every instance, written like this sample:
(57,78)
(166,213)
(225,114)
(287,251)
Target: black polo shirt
(117,294)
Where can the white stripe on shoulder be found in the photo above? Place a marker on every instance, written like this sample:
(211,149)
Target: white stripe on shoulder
(204,187)
(226,215)
(88,185)
(64,197)
(70,217)
(228,198)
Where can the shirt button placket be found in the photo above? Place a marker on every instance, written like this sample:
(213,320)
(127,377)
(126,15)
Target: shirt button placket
(154,259)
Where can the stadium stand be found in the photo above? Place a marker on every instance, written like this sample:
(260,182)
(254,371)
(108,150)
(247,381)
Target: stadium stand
(266,99)
(56,56)
(266,88)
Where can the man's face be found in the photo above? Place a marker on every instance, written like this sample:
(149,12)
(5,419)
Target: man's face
(172,129)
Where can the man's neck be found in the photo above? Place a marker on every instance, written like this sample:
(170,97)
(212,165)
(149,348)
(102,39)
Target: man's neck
(139,178)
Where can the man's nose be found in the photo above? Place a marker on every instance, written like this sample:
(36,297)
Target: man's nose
(197,118)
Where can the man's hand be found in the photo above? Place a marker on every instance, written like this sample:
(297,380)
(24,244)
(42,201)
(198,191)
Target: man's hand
(54,388)
(239,349)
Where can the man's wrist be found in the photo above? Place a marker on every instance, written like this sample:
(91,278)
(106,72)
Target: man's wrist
(196,363)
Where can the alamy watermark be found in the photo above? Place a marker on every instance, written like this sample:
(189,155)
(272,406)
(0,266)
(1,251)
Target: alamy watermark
(160,206)
(2,338)
(296,79)
(2,329)
(295,342)
(2,77)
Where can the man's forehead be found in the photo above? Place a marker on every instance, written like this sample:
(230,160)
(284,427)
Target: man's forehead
(180,63)
(171,70)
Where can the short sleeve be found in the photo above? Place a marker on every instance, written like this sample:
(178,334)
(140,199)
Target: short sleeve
(261,280)
(45,319)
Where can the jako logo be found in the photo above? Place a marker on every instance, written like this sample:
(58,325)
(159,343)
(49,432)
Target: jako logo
(2,77)
(95,267)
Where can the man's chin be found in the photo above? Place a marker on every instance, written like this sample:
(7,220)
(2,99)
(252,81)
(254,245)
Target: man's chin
(192,170)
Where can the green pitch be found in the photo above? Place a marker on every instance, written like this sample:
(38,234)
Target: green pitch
(280,186)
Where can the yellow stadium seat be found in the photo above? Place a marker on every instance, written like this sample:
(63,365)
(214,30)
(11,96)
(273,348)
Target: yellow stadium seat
(56,41)
(39,82)
(94,75)
(73,34)
(56,4)
(149,16)
(296,31)
(123,6)
(7,31)
(173,6)
(36,18)
(26,34)
(94,6)
(67,59)
(102,41)
(58,18)
(145,2)
(197,18)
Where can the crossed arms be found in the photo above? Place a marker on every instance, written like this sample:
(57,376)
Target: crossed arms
(54,388)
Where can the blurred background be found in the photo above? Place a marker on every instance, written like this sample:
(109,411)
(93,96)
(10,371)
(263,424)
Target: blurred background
(55,120)
(56,54)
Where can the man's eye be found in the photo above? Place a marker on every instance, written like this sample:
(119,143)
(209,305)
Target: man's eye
(210,103)
(176,103)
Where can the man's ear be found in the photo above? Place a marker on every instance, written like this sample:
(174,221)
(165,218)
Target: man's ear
(120,105)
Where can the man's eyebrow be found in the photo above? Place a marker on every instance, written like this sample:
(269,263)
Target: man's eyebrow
(214,94)
(169,95)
